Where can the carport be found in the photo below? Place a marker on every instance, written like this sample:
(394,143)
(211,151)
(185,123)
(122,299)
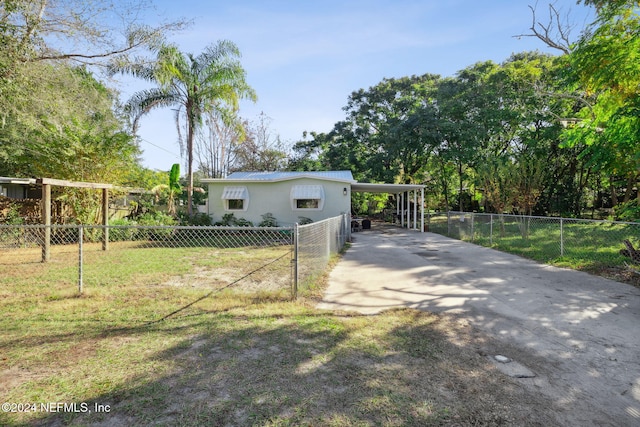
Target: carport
(405,193)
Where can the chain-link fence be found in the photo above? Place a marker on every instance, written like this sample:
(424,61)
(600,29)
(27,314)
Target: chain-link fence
(315,243)
(249,258)
(582,242)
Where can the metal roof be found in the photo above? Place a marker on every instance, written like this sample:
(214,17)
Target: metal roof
(341,176)
(10,180)
(364,187)
(234,193)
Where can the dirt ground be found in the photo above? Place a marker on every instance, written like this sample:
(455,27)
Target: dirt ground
(569,337)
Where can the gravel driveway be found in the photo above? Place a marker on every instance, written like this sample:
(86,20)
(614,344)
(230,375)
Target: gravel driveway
(571,336)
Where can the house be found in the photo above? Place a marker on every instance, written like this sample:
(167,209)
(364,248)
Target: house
(19,188)
(289,196)
(292,197)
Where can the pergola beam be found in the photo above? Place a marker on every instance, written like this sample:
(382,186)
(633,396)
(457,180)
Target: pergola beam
(46,184)
(74,184)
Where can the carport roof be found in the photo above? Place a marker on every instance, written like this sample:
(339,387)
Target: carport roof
(364,187)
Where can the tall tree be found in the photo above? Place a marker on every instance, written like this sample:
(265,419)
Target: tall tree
(194,85)
(388,130)
(605,65)
(261,150)
(216,143)
(78,32)
(70,134)
(83,31)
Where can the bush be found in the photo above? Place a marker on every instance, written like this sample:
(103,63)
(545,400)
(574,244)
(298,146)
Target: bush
(229,220)
(198,219)
(122,234)
(629,211)
(268,220)
(156,219)
(302,220)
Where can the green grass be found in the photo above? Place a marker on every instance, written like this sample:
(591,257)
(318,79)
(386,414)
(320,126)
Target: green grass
(239,357)
(590,246)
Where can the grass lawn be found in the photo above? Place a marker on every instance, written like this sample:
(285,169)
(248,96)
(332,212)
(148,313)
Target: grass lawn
(589,246)
(242,356)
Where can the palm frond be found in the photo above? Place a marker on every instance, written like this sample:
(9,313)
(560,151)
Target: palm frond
(146,100)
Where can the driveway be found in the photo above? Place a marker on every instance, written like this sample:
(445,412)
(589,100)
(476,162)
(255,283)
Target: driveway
(577,335)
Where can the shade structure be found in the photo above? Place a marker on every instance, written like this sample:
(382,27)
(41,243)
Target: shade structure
(235,193)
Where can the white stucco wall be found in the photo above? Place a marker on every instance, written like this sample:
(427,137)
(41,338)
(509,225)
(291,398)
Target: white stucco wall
(274,197)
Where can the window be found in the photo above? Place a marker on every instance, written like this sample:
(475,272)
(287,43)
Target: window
(307,197)
(307,203)
(235,198)
(235,204)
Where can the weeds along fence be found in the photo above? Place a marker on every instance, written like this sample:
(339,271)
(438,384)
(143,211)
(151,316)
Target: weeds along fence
(251,259)
(579,242)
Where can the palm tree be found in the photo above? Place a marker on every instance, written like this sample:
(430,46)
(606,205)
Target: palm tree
(193,86)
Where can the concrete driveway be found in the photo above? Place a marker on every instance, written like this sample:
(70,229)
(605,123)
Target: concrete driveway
(579,335)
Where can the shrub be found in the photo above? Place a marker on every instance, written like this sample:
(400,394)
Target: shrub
(629,211)
(229,220)
(302,220)
(121,233)
(198,219)
(156,219)
(268,220)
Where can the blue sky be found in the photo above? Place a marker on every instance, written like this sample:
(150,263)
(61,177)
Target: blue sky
(304,58)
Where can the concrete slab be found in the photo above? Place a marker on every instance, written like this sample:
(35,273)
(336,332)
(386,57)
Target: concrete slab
(586,328)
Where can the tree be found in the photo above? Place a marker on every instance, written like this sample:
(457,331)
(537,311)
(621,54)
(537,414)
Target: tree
(83,31)
(195,85)
(261,150)
(73,32)
(605,68)
(388,131)
(71,134)
(216,144)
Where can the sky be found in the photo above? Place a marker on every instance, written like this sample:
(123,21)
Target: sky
(304,58)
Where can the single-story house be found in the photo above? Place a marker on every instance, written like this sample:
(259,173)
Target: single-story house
(19,188)
(288,196)
(291,196)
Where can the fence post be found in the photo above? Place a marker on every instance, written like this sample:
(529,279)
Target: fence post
(561,237)
(80,254)
(448,223)
(472,221)
(491,231)
(296,239)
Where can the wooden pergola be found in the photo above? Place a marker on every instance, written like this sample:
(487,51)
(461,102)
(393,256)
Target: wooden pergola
(46,184)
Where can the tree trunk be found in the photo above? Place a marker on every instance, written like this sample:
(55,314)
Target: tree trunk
(629,190)
(190,167)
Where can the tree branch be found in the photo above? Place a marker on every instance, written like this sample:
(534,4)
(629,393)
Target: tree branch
(557,38)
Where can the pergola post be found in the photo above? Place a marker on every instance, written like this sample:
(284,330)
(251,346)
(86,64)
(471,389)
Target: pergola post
(415,209)
(46,219)
(105,218)
(408,210)
(422,210)
(402,210)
